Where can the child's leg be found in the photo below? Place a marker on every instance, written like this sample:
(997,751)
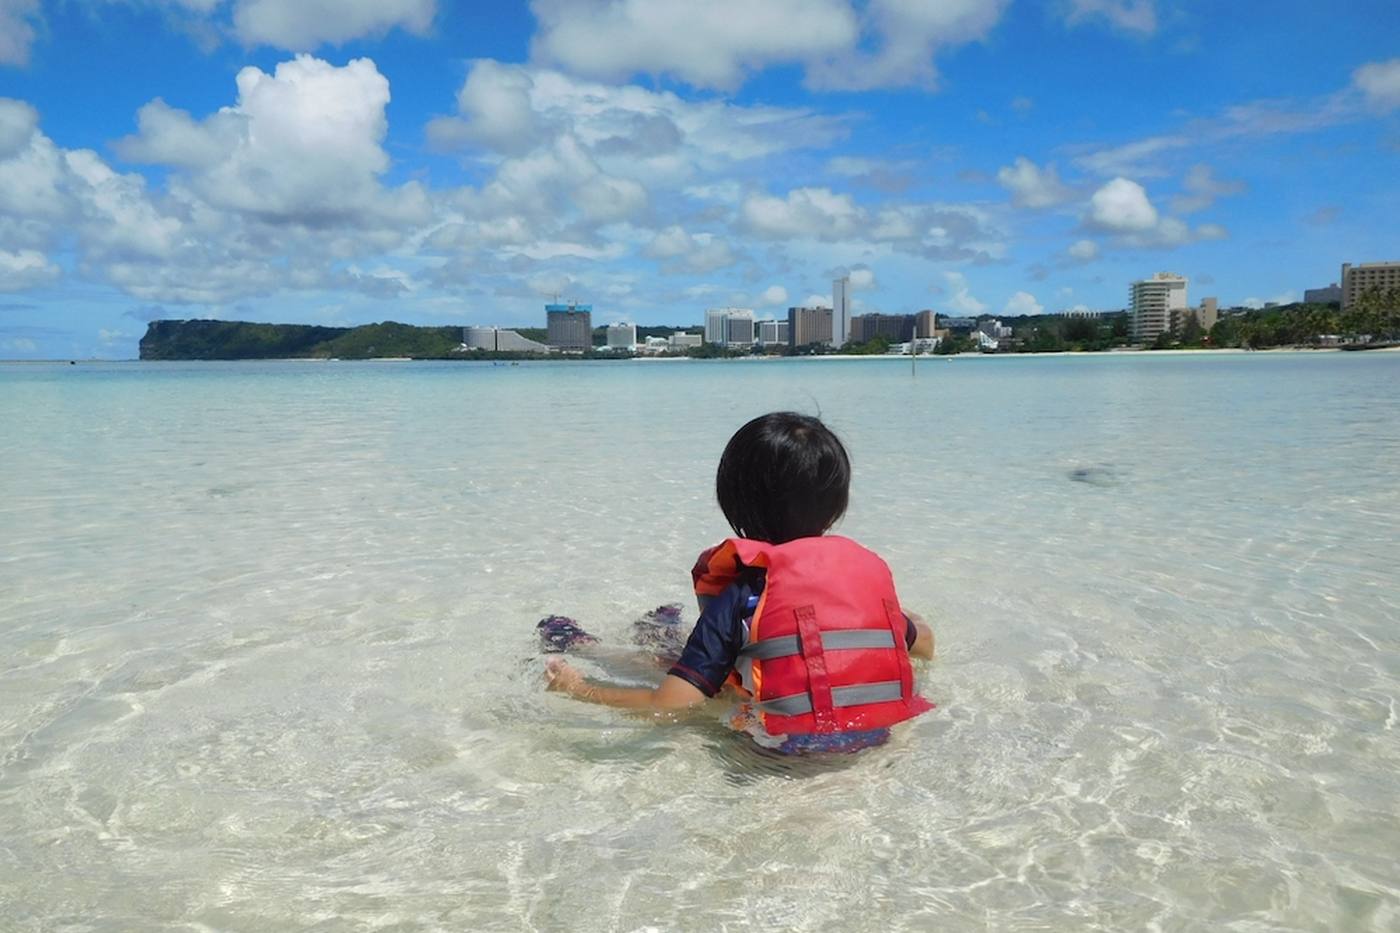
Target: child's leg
(659,631)
(560,633)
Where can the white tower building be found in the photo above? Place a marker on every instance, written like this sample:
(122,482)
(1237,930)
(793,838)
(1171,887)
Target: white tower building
(1154,302)
(716,325)
(840,311)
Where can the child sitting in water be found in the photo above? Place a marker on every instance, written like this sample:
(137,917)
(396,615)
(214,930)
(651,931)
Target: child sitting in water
(805,626)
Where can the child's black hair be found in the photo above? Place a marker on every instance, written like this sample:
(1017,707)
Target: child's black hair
(783,476)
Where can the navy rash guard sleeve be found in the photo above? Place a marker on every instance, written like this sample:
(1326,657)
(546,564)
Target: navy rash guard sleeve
(714,644)
(713,647)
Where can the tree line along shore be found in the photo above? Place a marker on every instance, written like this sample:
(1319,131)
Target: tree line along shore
(1373,319)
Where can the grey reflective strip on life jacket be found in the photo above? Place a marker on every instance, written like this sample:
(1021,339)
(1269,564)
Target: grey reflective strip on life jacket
(786,646)
(854,695)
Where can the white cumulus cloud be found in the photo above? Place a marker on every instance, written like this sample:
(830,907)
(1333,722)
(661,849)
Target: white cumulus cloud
(535,186)
(716,44)
(276,193)
(302,25)
(72,199)
(681,251)
(293,25)
(18,121)
(774,296)
(16,30)
(805,213)
(1032,186)
(1201,188)
(1123,207)
(1021,304)
(1083,250)
(117,215)
(495,110)
(906,36)
(1139,16)
(961,299)
(303,145)
(670,243)
(1380,82)
(656,136)
(712,44)
(603,199)
(931,231)
(862,278)
(168,136)
(569,156)
(25,269)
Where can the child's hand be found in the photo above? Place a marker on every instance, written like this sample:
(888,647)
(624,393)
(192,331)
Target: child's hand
(562,677)
(923,642)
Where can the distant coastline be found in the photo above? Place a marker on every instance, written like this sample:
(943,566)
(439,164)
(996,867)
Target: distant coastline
(922,357)
(210,340)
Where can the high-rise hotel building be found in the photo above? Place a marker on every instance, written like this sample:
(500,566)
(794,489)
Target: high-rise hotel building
(1357,280)
(772,333)
(569,327)
(739,330)
(1154,303)
(896,328)
(840,311)
(499,338)
(807,326)
(925,324)
(716,325)
(729,327)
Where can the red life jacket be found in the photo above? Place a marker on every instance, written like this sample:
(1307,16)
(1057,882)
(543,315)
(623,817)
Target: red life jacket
(826,646)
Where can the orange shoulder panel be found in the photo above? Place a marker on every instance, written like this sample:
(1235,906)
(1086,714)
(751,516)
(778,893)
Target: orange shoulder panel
(717,567)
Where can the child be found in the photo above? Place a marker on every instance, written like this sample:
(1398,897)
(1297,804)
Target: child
(804,625)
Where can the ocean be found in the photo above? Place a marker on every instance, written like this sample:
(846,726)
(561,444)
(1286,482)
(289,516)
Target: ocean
(268,659)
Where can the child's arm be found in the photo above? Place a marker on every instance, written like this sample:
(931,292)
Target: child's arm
(673,693)
(923,641)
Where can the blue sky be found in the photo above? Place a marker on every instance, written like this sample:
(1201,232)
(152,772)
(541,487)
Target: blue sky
(348,161)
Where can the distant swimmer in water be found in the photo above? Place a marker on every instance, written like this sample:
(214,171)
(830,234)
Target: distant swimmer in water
(802,628)
(1095,475)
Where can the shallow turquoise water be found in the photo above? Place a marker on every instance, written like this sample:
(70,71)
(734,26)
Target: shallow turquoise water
(266,653)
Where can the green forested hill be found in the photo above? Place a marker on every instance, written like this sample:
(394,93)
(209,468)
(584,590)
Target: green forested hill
(241,340)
